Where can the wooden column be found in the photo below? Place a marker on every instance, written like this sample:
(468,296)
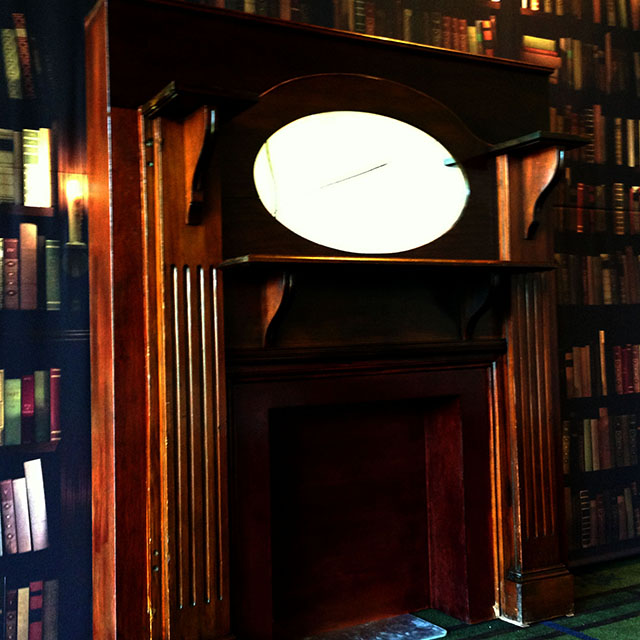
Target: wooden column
(534,582)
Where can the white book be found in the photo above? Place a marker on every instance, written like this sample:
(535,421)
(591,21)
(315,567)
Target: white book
(23,526)
(37,504)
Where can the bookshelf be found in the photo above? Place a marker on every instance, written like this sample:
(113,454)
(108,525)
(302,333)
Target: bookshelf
(594,92)
(45,561)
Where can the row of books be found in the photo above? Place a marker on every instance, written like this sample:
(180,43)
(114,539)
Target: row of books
(24,511)
(30,408)
(411,20)
(25,167)
(595,370)
(30,611)
(607,278)
(598,208)
(607,517)
(596,444)
(612,13)
(30,274)
(582,65)
(19,59)
(613,139)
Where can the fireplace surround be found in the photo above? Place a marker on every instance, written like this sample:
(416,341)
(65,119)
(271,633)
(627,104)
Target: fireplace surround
(288,437)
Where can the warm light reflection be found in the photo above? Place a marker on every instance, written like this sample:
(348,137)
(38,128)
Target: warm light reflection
(359,182)
(75,194)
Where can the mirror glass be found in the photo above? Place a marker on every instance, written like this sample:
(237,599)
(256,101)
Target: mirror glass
(359,182)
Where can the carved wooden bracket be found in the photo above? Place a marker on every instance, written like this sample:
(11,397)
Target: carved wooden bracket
(527,169)
(276,293)
(202,112)
(478,301)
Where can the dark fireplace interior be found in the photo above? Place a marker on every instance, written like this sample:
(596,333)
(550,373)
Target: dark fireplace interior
(362,497)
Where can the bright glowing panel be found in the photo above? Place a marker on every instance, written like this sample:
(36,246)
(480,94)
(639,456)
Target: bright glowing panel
(359,182)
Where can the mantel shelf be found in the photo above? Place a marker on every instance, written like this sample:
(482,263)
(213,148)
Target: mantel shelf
(265,259)
(528,143)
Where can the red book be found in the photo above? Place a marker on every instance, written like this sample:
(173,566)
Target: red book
(35,610)
(617,368)
(24,55)
(54,404)
(28,247)
(27,397)
(604,439)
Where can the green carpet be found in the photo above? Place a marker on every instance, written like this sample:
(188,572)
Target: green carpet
(607,608)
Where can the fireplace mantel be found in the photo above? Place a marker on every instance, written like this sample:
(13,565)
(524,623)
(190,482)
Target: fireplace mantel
(242,373)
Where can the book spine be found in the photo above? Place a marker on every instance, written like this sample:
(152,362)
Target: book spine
(10,274)
(37,503)
(9,537)
(50,610)
(27,408)
(42,427)
(54,404)
(11,615)
(11,63)
(12,411)
(2,408)
(21,508)
(52,275)
(23,613)
(35,609)
(24,55)
(28,253)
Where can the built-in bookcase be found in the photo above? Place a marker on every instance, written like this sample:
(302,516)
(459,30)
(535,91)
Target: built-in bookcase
(45,533)
(592,48)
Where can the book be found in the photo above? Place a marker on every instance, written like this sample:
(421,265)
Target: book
(1,408)
(21,507)
(11,298)
(55,432)
(8,187)
(37,503)
(23,614)
(11,63)
(36,603)
(28,286)
(11,615)
(27,408)
(9,539)
(50,610)
(12,411)
(24,55)
(41,396)
(53,299)
(36,161)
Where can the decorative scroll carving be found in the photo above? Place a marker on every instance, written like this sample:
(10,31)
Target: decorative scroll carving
(276,293)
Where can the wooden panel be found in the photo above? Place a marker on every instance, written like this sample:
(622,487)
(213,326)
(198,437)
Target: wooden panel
(185,302)
(204,47)
(119,454)
(102,427)
(537,582)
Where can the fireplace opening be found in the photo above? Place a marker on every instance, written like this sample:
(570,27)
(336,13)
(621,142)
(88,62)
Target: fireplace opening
(348,514)
(351,510)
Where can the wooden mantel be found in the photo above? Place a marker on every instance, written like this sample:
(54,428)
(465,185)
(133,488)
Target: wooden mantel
(214,330)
